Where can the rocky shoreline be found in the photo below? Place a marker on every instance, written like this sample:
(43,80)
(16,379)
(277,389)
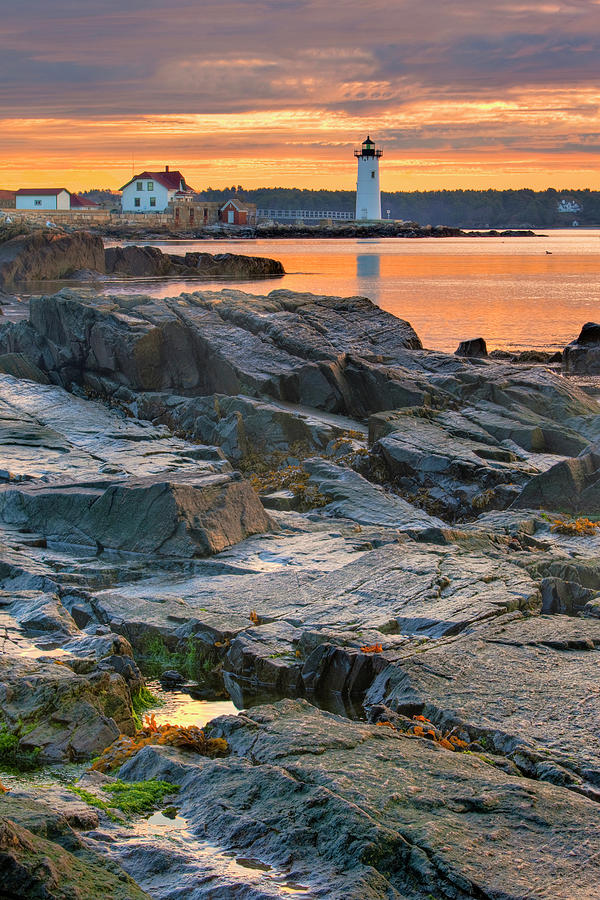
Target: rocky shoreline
(406,230)
(388,557)
(126,231)
(41,255)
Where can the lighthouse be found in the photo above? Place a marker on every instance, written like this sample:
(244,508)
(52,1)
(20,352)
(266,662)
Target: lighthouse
(368,196)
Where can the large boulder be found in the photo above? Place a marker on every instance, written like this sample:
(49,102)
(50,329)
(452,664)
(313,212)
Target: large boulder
(230,265)
(582,356)
(193,515)
(68,716)
(42,856)
(286,346)
(147,261)
(142,262)
(48,255)
(241,425)
(458,473)
(572,485)
(340,355)
(475,348)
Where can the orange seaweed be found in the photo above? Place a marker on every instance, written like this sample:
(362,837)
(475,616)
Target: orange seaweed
(447,740)
(185,737)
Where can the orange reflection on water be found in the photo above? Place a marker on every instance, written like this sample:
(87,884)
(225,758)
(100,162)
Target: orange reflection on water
(508,290)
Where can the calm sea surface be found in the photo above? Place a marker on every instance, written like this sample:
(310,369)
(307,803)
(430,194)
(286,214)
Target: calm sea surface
(508,290)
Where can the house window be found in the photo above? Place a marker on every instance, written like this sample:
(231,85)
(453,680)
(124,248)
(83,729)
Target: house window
(136,201)
(150,185)
(372,174)
(152,201)
(139,185)
(37,202)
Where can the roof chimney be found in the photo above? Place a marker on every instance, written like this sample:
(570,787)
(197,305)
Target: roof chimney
(166,168)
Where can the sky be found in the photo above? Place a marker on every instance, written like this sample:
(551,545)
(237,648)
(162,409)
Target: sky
(458,93)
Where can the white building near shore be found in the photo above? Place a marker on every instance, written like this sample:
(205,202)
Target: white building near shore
(43,198)
(368,194)
(151,192)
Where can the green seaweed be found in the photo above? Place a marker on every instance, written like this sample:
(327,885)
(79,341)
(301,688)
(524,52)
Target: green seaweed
(141,701)
(132,798)
(12,756)
(93,800)
(191,659)
(139,796)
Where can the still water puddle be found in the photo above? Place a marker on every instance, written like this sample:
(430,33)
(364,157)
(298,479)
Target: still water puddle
(61,774)
(198,861)
(180,707)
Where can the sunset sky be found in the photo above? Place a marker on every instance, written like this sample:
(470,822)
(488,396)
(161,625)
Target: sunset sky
(461,94)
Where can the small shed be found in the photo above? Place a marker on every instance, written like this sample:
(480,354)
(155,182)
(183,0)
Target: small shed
(235,212)
(43,198)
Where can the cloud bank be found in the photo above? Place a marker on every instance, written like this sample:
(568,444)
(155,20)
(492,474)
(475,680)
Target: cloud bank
(277,91)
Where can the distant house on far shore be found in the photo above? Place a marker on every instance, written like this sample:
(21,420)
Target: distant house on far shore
(51,198)
(151,192)
(568,205)
(235,212)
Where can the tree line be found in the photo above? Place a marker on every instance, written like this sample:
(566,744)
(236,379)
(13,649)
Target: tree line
(463,209)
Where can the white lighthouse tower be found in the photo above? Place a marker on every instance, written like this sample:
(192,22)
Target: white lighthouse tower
(368,195)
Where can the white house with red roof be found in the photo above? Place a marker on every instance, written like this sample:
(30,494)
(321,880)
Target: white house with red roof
(151,192)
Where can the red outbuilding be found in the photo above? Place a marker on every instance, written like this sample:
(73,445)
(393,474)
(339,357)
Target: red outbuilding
(234,212)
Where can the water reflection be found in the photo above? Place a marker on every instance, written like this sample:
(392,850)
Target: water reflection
(506,289)
(509,290)
(368,265)
(181,707)
(246,695)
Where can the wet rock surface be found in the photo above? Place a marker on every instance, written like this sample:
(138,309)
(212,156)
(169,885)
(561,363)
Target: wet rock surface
(492,686)
(410,572)
(431,822)
(38,254)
